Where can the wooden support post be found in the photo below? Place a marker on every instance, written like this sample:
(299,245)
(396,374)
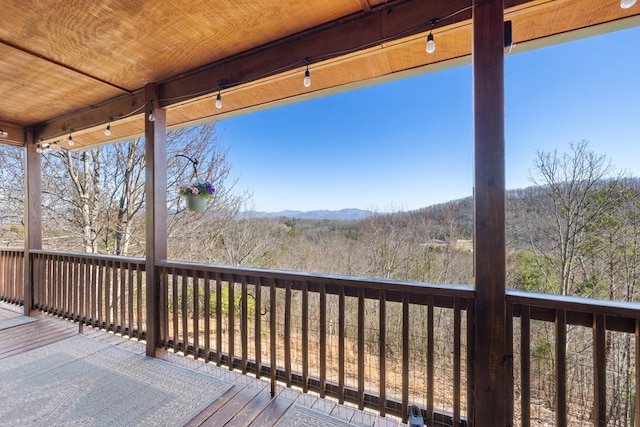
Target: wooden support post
(490,386)
(32,217)
(155,153)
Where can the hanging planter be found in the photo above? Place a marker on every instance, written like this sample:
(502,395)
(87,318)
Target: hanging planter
(197,195)
(196,203)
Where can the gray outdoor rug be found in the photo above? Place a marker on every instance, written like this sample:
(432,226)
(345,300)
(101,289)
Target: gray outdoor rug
(83,382)
(15,321)
(302,416)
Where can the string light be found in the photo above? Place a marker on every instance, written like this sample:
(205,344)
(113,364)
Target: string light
(45,148)
(626,4)
(107,131)
(219,100)
(70,142)
(431,44)
(307,76)
(152,117)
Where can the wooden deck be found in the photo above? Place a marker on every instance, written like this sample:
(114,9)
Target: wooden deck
(248,403)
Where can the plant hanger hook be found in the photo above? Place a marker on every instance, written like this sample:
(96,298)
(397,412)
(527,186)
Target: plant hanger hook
(194,162)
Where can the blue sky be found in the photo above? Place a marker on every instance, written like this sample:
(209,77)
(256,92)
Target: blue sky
(407,144)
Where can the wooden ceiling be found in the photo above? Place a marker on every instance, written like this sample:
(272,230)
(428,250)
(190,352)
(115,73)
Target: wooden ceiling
(71,66)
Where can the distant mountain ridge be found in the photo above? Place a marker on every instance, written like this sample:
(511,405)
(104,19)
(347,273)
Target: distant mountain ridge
(341,215)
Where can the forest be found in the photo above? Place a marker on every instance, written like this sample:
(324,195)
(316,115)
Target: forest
(574,231)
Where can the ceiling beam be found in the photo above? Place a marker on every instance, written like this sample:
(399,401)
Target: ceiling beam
(15,135)
(123,108)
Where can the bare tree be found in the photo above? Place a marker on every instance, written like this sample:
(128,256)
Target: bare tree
(11,195)
(570,181)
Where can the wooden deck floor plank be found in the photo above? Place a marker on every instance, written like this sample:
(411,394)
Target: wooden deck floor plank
(215,406)
(31,336)
(254,409)
(273,412)
(232,408)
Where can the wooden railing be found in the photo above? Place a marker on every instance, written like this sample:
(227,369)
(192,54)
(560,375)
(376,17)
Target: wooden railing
(96,290)
(576,360)
(374,343)
(12,277)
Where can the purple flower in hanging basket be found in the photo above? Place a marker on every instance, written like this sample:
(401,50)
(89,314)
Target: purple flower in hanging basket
(202,189)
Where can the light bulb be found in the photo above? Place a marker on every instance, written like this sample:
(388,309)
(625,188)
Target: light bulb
(307,79)
(431,45)
(107,131)
(152,117)
(70,142)
(39,150)
(218,101)
(56,147)
(626,4)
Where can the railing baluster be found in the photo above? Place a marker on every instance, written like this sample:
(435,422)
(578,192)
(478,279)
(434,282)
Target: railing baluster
(361,329)
(287,333)
(207,315)
(59,287)
(91,291)
(82,309)
(130,294)
(272,336)
(195,280)
(64,283)
(258,327)
(382,349)
(123,297)
(305,337)
(561,368)
(67,306)
(163,310)
(600,371)
(457,332)
(175,309)
(184,296)
(430,360)
(341,325)
(140,307)
(323,341)
(232,321)
(107,294)
(99,297)
(114,294)
(244,325)
(525,366)
(218,319)
(405,357)
(471,375)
